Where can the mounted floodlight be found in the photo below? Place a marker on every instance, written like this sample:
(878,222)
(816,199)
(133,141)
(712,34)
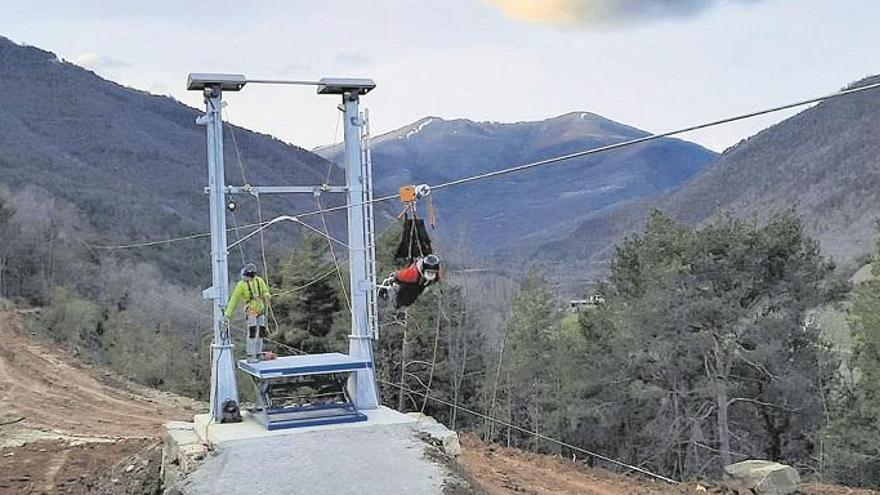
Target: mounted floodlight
(342,85)
(226,82)
(231,205)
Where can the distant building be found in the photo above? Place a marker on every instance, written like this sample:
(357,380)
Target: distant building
(578,305)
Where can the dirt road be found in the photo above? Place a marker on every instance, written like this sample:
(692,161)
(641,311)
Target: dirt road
(63,423)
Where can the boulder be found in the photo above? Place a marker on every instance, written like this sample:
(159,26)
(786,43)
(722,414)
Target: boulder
(764,477)
(437,434)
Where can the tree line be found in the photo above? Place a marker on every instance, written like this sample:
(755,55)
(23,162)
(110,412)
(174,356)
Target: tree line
(700,353)
(697,352)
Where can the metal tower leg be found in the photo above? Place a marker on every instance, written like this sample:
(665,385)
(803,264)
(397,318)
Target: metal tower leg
(223,386)
(362,385)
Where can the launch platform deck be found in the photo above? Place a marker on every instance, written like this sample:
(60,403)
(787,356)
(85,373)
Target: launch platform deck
(275,417)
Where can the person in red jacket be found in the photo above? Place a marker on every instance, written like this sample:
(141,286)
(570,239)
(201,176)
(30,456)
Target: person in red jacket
(404,286)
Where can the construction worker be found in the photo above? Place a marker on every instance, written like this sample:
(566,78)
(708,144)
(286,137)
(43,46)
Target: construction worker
(254,291)
(404,286)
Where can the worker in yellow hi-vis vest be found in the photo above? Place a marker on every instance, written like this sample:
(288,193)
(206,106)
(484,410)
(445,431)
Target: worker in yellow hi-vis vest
(254,291)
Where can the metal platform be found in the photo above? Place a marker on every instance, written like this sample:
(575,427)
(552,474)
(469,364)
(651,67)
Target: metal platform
(310,364)
(277,418)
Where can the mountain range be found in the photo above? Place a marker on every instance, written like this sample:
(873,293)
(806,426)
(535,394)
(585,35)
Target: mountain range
(134,163)
(526,208)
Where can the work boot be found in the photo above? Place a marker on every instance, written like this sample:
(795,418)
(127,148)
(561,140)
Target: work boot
(251,348)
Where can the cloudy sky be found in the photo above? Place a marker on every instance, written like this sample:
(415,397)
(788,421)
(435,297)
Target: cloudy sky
(654,64)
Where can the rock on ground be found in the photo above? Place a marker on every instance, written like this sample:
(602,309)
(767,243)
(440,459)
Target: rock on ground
(765,477)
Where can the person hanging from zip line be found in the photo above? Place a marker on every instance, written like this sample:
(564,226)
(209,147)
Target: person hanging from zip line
(254,292)
(404,286)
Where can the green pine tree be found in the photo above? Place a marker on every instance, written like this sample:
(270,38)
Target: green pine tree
(306,300)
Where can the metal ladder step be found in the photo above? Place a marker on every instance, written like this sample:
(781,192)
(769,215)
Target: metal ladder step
(370,241)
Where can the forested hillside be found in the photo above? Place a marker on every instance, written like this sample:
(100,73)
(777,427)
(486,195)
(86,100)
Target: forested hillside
(133,163)
(824,163)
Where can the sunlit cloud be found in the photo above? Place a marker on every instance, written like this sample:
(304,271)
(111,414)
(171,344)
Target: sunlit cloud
(589,13)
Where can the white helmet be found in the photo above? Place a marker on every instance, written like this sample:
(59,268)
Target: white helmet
(429,266)
(249,271)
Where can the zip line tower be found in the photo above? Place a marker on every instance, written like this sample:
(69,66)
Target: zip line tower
(361,389)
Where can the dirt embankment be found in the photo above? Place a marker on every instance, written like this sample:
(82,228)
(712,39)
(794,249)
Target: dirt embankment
(67,427)
(501,471)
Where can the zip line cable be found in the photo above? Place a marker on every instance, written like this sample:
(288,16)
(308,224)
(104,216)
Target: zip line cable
(540,163)
(534,433)
(152,243)
(654,137)
(622,144)
(307,284)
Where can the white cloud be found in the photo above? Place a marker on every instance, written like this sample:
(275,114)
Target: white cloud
(353,59)
(98,61)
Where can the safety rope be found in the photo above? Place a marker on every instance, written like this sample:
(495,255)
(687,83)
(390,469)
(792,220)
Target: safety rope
(434,355)
(238,237)
(269,308)
(238,243)
(335,259)
(243,181)
(287,218)
(237,151)
(414,235)
(335,135)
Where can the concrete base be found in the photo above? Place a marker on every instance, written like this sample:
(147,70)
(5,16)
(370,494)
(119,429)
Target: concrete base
(387,454)
(182,452)
(218,434)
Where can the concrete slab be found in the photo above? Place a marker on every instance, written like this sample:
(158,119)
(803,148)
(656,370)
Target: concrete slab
(250,428)
(376,459)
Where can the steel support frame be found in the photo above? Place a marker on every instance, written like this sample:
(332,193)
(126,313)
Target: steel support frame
(362,387)
(257,190)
